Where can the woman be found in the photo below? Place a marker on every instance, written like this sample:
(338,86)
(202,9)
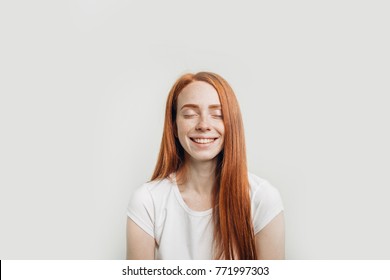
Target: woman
(201,202)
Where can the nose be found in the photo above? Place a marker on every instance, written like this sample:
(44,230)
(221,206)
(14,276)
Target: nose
(202,125)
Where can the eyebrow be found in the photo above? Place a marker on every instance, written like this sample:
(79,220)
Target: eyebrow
(212,106)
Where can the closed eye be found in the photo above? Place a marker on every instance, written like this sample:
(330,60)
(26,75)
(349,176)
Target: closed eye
(216,114)
(190,115)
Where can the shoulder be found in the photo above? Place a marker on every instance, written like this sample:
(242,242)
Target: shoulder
(261,189)
(266,201)
(152,190)
(146,202)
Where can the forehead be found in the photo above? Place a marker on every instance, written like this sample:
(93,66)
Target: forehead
(200,93)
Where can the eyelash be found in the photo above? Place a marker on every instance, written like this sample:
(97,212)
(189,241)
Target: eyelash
(193,115)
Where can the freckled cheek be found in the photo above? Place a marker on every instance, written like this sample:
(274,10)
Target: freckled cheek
(221,129)
(183,128)
(185,125)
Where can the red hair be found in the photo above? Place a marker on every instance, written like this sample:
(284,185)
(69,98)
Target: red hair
(233,228)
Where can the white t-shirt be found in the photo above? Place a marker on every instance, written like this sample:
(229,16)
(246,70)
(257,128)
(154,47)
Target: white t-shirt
(181,233)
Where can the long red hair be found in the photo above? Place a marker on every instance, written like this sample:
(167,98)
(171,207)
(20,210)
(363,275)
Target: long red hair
(233,228)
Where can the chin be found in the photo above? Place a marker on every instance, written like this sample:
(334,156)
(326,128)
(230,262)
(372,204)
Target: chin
(203,157)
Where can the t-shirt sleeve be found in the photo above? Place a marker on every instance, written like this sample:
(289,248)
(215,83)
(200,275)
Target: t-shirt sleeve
(141,210)
(266,205)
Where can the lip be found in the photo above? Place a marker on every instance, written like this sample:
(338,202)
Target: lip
(204,137)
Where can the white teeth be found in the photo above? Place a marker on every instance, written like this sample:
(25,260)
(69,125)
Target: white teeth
(203,140)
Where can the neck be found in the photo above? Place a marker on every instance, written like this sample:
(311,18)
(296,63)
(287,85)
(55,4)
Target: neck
(200,176)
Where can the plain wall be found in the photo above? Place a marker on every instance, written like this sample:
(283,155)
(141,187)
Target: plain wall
(83,90)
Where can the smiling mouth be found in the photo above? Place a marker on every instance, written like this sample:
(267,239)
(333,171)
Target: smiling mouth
(203,140)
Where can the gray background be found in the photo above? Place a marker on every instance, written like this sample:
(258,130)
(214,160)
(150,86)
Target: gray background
(83,89)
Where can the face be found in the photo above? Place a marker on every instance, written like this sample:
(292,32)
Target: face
(199,121)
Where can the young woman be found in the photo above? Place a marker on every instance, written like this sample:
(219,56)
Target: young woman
(201,202)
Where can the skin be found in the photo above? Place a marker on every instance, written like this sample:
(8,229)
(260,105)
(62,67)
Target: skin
(199,116)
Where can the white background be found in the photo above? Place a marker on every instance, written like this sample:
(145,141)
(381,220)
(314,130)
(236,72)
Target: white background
(83,86)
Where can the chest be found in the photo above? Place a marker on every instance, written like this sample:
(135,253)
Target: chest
(196,201)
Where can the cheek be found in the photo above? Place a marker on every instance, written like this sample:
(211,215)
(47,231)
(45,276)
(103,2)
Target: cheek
(221,129)
(182,128)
